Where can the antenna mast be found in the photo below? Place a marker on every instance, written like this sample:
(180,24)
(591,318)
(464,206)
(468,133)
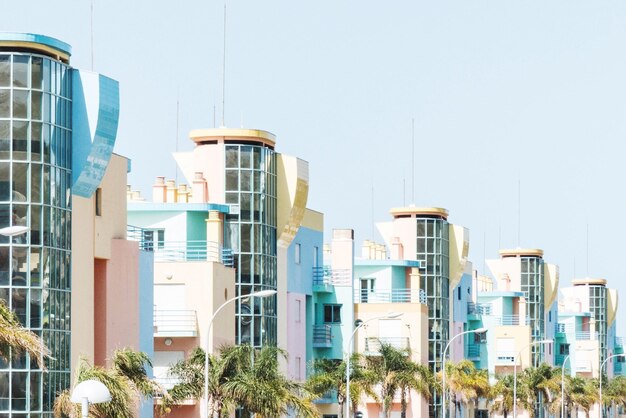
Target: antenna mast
(177,133)
(224,73)
(413,160)
(91,33)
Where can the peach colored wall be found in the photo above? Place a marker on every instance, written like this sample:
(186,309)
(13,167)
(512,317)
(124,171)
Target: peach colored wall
(112,223)
(121,300)
(209,159)
(99,303)
(405,229)
(207,286)
(296,335)
(82,309)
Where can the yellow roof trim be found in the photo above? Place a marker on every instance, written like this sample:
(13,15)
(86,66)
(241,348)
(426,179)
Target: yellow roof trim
(229,134)
(412,210)
(38,48)
(522,252)
(589,281)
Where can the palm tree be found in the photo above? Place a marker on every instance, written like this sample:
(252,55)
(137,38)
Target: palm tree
(394,372)
(14,336)
(535,383)
(502,395)
(583,393)
(615,392)
(330,375)
(126,379)
(464,379)
(262,390)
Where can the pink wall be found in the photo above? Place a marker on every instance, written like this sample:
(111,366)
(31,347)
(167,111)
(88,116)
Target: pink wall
(296,335)
(116,300)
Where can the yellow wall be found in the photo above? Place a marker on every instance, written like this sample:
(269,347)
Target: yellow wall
(459,250)
(551,284)
(292,190)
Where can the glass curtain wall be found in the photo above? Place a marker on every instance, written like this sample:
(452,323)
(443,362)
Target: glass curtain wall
(433,252)
(35,180)
(533,287)
(597,306)
(250,231)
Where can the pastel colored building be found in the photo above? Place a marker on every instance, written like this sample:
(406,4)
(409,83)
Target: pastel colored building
(59,178)
(239,225)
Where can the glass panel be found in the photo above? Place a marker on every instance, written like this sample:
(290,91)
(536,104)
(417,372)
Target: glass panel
(35,391)
(35,268)
(232,160)
(20,71)
(20,103)
(18,391)
(36,73)
(35,308)
(5,103)
(4,391)
(246,153)
(35,141)
(245,180)
(5,72)
(20,179)
(19,297)
(20,140)
(5,140)
(232,180)
(35,106)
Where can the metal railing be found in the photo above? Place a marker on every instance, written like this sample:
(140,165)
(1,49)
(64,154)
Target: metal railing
(619,342)
(192,250)
(390,296)
(478,308)
(322,335)
(473,350)
(167,382)
(175,323)
(570,329)
(558,359)
(514,320)
(372,344)
(327,276)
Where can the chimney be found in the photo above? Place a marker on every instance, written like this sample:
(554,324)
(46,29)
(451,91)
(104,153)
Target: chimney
(158,190)
(183,194)
(171,193)
(199,188)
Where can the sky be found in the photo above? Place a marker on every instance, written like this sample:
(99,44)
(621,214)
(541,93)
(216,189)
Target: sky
(518,106)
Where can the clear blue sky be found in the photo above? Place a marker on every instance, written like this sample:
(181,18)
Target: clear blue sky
(501,92)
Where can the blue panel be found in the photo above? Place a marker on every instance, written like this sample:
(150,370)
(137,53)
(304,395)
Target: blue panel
(37,39)
(96,100)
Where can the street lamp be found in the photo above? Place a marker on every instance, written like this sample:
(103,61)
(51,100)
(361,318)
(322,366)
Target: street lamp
(390,315)
(89,392)
(443,366)
(563,381)
(601,367)
(209,346)
(515,372)
(11,231)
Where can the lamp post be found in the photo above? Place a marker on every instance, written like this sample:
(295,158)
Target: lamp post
(209,347)
(11,231)
(563,382)
(89,392)
(443,366)
(515,372)
(601,367)
(391,315)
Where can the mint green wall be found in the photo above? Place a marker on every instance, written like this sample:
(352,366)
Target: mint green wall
(196,226)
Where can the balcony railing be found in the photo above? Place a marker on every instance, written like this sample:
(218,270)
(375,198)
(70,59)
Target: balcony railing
(619,342)
(505,358)
(478,308)
(390,296)
(569,329)
(322,336)
(372,344)
(193,250)
(473,350)
(168,382)
(175,323)
(327,276)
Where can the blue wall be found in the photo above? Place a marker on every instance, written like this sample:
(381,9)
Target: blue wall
(146,321)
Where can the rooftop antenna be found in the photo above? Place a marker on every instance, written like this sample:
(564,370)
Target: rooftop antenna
(484,248)
(214,117)
(587,249)
(403,191)
(224,73)
(177,130)
(91,33)
(413,160)
(372,211)
(499,236)
(519,212)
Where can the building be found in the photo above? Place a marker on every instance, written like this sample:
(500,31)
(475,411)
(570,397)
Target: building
(59,178)
(240,225)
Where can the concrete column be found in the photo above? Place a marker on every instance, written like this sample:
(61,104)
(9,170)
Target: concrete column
(214,235)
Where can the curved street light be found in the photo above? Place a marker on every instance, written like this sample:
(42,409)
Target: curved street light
(209,347)
(443,366)
(11,231)
(601,367)
(390,315)
(515,372)
(89,392)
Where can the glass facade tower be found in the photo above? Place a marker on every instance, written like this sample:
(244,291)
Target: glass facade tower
(432,250)
(35,181)
(532,284)
(250,231)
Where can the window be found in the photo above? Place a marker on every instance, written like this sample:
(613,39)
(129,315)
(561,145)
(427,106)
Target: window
(481,413)
(297,253)
(315,255)
(299,368)
(332,314)
(153,239)
(458,293)
(564,349)
(98,205)
(298,310)
(549,316)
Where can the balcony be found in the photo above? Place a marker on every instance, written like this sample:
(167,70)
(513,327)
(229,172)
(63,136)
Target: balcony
(619,342)
(170,251)
(372,344)
(478,308)
(505,358)
(569,330)
(175,323)
(168,383)
(324,278)
(328,397)
(390,296)
(322,336)
(473,351)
